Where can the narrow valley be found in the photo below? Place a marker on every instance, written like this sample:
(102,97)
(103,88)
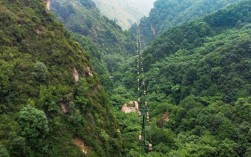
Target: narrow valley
(98,78)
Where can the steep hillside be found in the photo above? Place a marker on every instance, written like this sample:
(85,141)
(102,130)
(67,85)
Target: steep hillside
(198,88)
(51,103)
(167,14)
(110,45)
(125,12)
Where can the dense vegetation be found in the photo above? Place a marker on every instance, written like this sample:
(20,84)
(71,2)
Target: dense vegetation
(110,45)
(167,14)
(199,75)
(42,108)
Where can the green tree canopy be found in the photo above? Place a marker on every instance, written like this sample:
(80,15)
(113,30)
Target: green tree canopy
(33,124)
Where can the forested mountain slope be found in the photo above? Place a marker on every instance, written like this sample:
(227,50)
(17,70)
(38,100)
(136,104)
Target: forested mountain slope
(199,75)
(110,43)
(167,14)
(51,103)
(125,12)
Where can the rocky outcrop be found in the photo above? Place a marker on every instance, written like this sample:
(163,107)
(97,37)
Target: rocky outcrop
(48,4)
(164,119)
(75,75)
(88,71)
(80,143)
(64,107)
(153,30)
(132,106)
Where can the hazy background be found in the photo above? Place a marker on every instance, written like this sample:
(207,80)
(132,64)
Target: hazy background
(125,12)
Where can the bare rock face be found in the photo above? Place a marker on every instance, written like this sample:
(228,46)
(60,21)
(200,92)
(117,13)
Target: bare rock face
(81,144)
(88,71)
(132,106)
(64,107)
(75,75)
(164,119)
(48,4)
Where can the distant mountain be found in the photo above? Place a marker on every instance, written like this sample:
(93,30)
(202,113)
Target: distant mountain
(125,12)
(167,14)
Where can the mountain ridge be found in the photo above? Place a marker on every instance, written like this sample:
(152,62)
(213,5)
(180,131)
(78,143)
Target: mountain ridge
(198,74)
(125,12)
(103,38)
(169,14)
(54,82)
(43,109)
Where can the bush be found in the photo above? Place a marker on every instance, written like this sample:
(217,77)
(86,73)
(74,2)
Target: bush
(3,151)
(33,124)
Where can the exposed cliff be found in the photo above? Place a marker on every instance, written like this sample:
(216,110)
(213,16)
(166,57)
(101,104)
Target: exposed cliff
(48,4)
